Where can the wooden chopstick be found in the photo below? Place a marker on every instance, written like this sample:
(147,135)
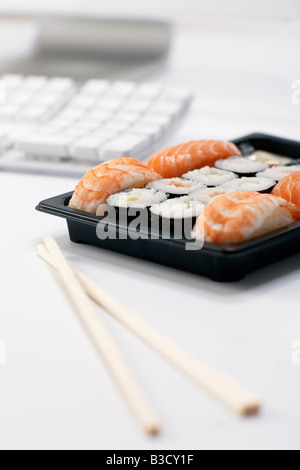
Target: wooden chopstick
(226,390)
(103,341)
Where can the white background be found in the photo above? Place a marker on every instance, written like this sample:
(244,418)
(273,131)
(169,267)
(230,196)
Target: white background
(54,391)
(176,8)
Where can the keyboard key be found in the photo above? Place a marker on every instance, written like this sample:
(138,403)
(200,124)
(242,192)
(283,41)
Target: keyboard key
(124,89)
(61,85)
(110,103)
(164,122)
(9,111)
(96,87)
(124,146)
(5,141)
(48,130)
(88,148)
(21,98)
(72,114)
(116,126)
(14,129)
(99,116)
(129,118)
(88,124)
(107,134)
(46,145)
(177,94)
(61,123)
(148,91)
(169,108)
(83,102)
(35,84)
(12,82)
(50,100)
(33,114)
(149,130)
(76,131)
(138,106)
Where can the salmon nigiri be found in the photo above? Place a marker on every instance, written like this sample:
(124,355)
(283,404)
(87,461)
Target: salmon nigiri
(107,179)
(289,188)
(175,161)
(237,217)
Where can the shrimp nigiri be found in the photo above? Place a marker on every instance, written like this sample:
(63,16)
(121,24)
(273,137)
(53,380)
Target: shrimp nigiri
(107,179)
(289,188)
(237,217)
(175,161)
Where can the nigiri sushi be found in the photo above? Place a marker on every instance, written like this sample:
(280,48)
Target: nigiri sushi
(107,179)
(237,217)
(289,188)
(175,161)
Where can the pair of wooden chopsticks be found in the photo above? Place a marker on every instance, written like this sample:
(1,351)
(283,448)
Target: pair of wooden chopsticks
(80,287)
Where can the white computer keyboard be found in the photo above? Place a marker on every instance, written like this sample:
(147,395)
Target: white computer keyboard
(55,125)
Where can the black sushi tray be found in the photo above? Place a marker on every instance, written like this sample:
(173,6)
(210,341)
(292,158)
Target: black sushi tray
(222,262)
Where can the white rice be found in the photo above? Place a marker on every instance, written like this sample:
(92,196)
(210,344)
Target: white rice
(250,184)
(241,165)
(278,172)
(269,158)
(178,208)
(177,186)
(207,195)
(210,176)
(138,198)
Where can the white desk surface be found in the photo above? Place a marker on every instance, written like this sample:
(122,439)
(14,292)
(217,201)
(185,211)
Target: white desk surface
(55,391)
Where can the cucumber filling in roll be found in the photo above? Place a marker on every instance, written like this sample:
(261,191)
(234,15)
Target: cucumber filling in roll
(269,158)
(210,176)
(137,198)
(259,185)
(178,208)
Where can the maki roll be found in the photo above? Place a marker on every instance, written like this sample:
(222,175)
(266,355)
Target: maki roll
(175,186)
(178,208)
(260,185)
(207,195)
(278,172)
(294,162)
(211,177)
(269,158)
(175,218)
(242,166)
(136,198)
